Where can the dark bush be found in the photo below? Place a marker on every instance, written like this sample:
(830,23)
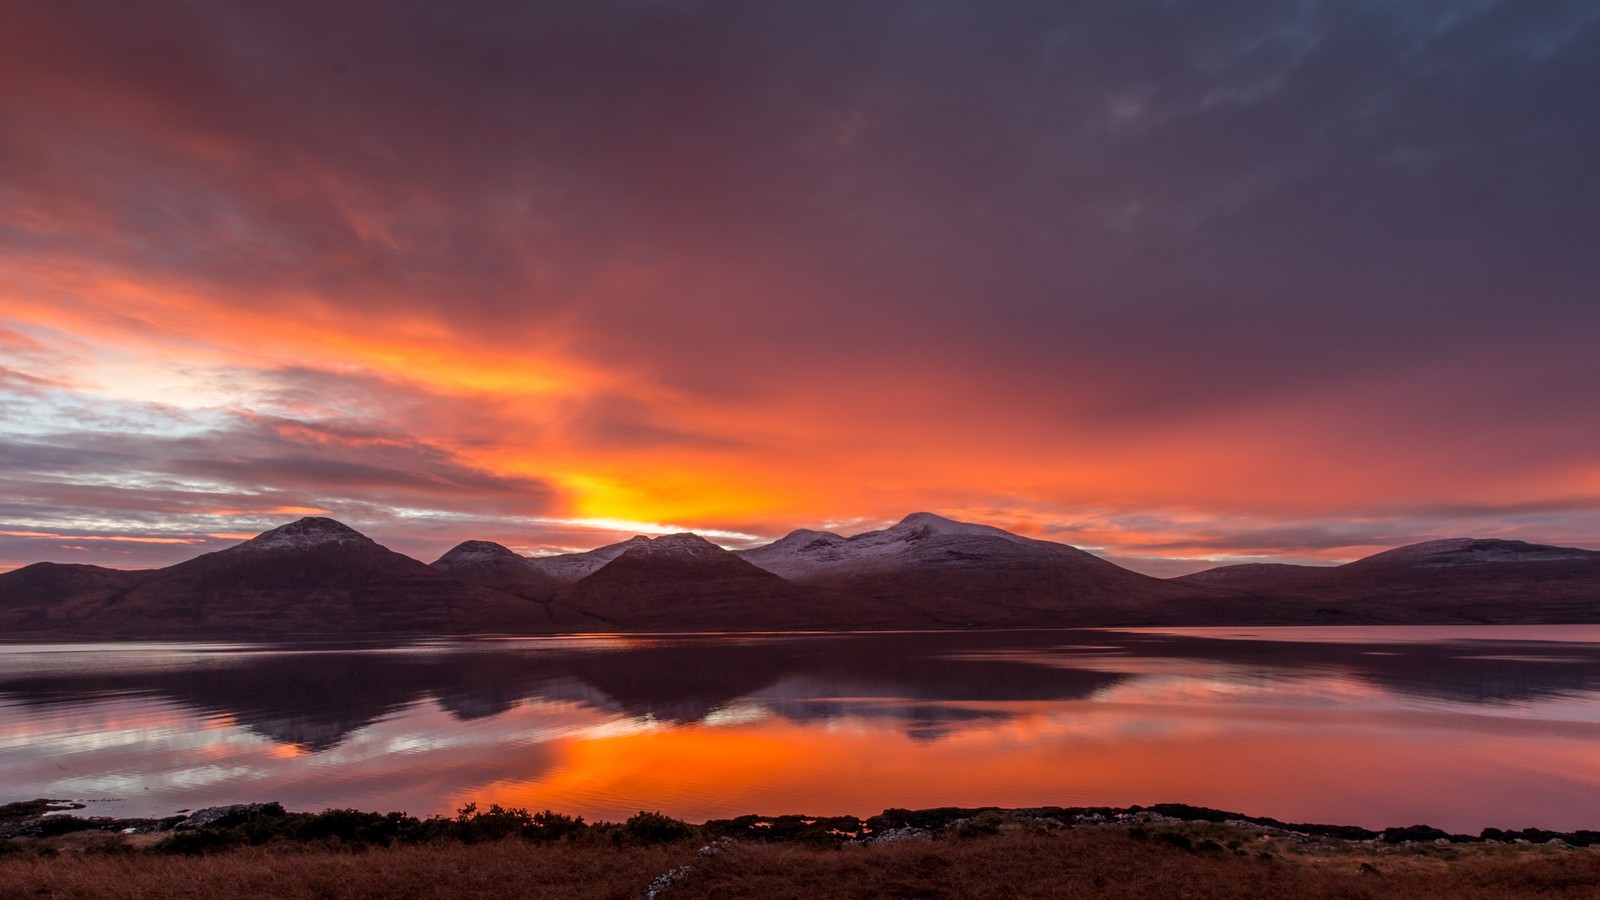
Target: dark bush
(1180,841)
(553,826)
(984,824)
(1540,836)
(354,827)
(50,826)
(494,824)
(655,828)
(200,842)
(1414,833)
(819,831)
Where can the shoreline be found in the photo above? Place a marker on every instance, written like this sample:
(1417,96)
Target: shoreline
(261,822)
(1045,852)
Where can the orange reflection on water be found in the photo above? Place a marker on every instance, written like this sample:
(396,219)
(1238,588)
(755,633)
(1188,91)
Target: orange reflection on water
(1363,767)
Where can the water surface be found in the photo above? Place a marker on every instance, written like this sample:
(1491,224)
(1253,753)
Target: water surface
(1461,728)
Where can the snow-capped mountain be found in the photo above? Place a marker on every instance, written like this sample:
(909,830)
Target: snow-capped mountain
(964,574)
(496,566)
(567,568)
(305,534)
(681,546)
(921,540)
(317,577)
(484,562)
(469,556)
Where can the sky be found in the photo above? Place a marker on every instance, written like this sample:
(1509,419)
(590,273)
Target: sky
(1176,282)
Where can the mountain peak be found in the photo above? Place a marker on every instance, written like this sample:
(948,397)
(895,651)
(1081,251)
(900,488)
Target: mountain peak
(802,538)
(684,545)
(927,518)
(927,523)
(919,539)
(468,552)
(302,534)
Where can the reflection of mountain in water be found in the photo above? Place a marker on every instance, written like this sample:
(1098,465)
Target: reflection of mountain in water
(315,699)
(1462,671)
(928,684)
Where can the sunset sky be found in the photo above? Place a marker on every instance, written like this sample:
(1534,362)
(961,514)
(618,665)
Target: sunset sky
(1174,282)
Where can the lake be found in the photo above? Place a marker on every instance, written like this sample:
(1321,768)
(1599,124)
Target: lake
(1459,727)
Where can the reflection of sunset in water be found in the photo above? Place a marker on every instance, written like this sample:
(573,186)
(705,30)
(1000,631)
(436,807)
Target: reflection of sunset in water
(1372,769)
(708,728)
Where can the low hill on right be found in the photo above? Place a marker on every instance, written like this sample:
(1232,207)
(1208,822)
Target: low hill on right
(1453,581)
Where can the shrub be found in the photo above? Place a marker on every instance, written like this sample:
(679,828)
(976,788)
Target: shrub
(1180,841)
(355,827)
(984,824)
(1414,833)
(200,842)
(496,823)
(552,826)
(655,828)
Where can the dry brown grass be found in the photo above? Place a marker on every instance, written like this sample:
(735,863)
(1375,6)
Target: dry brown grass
(1107,863)
(504,869)
(1072,863)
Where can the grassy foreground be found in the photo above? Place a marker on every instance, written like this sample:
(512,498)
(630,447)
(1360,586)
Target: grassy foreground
(933,853)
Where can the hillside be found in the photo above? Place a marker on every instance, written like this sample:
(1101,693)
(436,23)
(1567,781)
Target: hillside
(1453,581)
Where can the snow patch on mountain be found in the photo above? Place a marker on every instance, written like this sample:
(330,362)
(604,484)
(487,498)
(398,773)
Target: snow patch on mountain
(570,567)
(305,534)
(684,546)
(472,550)
(921,538)
(922,524)
(476,555)
(1474,552)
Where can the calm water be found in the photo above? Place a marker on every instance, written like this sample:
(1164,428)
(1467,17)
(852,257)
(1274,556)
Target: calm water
(1456,727)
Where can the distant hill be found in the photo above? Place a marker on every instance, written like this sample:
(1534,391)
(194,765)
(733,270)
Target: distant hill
(48,597)
(1459,580)
(317,577)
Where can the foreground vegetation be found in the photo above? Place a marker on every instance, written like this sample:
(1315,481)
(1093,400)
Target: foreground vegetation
(262,850)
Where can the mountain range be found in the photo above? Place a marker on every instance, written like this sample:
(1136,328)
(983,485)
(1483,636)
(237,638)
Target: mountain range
(318,578)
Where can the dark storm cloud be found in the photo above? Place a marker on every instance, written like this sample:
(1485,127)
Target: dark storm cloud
(1331,181)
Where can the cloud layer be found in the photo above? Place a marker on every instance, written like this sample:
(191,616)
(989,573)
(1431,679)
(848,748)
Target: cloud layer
(1223,280)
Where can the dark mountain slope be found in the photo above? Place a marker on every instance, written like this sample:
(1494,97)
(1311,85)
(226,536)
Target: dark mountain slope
(1454,581)
(47,596)
(492,565)
(682,582)
(313,576)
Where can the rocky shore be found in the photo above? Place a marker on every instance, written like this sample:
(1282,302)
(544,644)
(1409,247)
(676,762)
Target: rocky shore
(46,850)
(258,823)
